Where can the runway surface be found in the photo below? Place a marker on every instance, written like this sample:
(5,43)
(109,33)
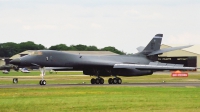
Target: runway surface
(175,84)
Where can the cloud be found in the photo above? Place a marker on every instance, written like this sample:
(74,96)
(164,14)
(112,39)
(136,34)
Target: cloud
(95,25)
(184,38)
(40,27)
(124,24)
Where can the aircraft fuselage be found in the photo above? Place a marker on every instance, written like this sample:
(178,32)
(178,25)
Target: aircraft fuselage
(90,65)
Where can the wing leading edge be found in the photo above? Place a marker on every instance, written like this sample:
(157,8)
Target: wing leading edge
(154,66)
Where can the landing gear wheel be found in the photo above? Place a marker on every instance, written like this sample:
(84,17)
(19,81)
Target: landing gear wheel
(93,81)
(110,81)
(114,80)
(119,80)
(97,80)
(101,81)
(42,82)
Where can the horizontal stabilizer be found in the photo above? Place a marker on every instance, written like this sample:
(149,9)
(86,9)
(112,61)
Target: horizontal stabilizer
(154,66)
(160,51)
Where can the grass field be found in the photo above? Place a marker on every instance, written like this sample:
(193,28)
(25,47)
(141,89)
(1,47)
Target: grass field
(100,99)
(97,98)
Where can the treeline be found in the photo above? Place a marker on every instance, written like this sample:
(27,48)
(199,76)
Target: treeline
(9,49)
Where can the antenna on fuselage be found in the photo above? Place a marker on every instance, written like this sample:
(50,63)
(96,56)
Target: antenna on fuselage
(80,55)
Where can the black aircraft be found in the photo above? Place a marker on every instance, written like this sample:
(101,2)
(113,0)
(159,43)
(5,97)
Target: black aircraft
(139,64)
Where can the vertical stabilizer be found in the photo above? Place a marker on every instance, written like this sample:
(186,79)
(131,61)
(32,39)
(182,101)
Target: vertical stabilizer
(153,45)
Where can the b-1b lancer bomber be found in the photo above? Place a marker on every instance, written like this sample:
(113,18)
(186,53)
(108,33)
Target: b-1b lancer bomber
(139,64)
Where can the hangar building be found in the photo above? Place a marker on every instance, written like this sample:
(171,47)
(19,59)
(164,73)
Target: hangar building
(188,56)
(4,60)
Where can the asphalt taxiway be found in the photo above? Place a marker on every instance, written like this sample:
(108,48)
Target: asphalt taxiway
(174,84)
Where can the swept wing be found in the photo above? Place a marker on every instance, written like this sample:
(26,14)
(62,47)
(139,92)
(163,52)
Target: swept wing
(160,51)
(154,66)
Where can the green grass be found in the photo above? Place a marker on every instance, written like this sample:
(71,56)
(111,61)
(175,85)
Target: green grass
(100,99)
(97,98)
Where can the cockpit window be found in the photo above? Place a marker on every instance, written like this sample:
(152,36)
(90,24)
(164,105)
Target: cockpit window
(36,53)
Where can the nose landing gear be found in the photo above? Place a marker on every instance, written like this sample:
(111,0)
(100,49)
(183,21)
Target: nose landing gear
(42,82)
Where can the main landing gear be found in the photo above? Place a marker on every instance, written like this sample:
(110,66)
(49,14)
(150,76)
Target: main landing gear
(100,80)
(97,81)
(116,80)
(42,82)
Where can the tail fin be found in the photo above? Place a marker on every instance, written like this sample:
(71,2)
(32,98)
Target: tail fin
(153,45)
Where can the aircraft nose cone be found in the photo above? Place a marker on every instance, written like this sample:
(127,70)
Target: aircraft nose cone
(15,61)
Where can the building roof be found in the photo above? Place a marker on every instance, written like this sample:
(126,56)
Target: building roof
(18,55)
(193,49)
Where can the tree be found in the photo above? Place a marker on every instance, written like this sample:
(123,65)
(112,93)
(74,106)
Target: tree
(92,48)
(59,47)
(30,46)
(8,49)
(80,47)
(112,49)
(72,48)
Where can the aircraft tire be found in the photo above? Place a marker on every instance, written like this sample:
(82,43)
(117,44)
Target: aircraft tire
(110,81)
(93,81)
(44,82)
(119,80)
(101,81)
(114,80)
(40,82)
(97,80)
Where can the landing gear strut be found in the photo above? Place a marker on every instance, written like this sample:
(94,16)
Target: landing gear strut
(98,80)
(116,80)
(42,82)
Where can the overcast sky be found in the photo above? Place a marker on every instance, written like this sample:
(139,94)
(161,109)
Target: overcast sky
(124,24)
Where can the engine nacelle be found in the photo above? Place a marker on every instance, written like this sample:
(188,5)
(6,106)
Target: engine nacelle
(94,72)
(115,72)
(134,72)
